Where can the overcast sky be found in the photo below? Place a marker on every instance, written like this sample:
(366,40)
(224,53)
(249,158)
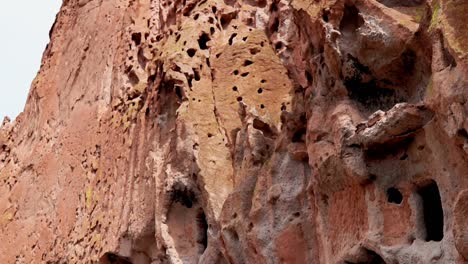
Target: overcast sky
(24,31)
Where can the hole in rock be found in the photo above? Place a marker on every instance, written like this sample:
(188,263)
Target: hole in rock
(183,196)
(187,225)
(250,227)
(366,256)
(394,195)
(202,40)
(299,135)
(368,93)
(404,157)
(141,58)
(391,149)
(179,92)
(254,51)
(309,77)
(432,211)
(196,74)
(136,38)
(202,224)
(325,15)
(260,90)
(370,257)
(133,78)
(278,45)
(191,52)
(232,235)
(225,20)
(273,7)
(462,133)
(264,127)
(408,58)
(248,62)
(275,26)
(351,20)
(111,258)
(189,80)
(232,38)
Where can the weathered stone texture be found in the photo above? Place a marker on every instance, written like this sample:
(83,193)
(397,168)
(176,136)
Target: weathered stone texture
(243,131)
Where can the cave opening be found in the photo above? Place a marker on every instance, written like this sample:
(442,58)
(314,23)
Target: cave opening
(203,40)
(112,258)
(187,224)
(264,127)
(367,256)
(202,236)
(394,195)
(432,211)
(300,135)
(369,93)
(373,258)
(184,196)
(351,20)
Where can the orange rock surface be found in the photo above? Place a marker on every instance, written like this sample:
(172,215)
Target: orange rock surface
(249,131)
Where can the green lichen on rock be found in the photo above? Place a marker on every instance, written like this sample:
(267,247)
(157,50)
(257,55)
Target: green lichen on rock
(89,197)
(429,88)
(133,108)
(7,217)
(418,14)
(435,16)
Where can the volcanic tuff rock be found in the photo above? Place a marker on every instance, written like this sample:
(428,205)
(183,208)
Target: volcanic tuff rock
(243,131)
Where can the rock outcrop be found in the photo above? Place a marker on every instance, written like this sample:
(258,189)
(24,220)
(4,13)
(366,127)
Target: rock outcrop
(248,131)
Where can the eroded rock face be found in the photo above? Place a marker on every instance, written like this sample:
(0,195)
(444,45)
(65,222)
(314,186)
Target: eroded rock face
(251,131)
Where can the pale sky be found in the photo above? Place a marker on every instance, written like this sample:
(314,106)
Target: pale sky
(24,31)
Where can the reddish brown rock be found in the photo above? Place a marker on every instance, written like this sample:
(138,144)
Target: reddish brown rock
(242,132)
(460,225)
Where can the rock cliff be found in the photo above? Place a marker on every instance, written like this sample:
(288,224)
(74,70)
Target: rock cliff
(243,131)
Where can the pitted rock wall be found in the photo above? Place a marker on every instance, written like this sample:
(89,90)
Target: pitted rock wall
(242,131)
